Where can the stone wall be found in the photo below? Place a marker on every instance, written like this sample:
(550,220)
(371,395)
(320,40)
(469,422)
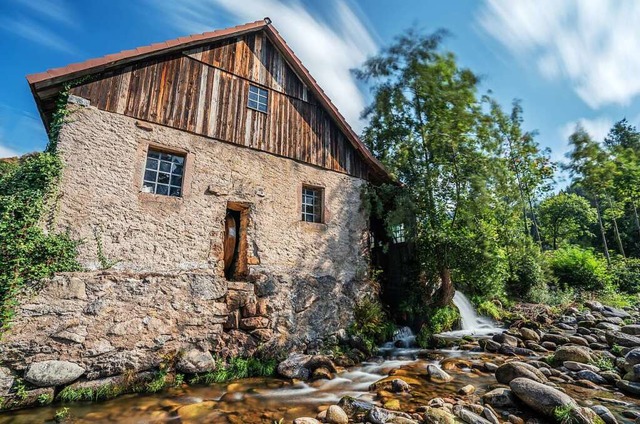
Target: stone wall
(100,197)
(101,324)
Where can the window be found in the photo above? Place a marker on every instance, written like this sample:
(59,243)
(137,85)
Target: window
(398,233)
(163,173)
(311,204)
(258,98)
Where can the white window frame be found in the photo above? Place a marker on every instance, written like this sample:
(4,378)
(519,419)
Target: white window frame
(312,204)
(258,98)
(174,162)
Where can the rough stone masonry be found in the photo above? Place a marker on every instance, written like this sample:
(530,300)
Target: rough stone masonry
(166,294)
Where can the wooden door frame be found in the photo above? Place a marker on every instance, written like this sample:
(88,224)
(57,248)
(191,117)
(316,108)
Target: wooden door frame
(241,267)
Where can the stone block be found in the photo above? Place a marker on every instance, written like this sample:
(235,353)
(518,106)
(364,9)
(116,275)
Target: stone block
(254,323)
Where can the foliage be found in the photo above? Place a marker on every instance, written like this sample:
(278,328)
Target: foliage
(526,273)
(578,268)
(565,219)
(158,383)
(604,363)
(371,323)
(626,274)
(61,414)
(564,414)
(28,252)
(236,368)
(44,399)
(438,320)
(491,309)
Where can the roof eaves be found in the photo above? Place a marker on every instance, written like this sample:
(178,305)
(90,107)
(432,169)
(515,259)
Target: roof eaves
(127,55)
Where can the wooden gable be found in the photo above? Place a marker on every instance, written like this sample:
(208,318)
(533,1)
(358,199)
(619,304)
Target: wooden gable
(204,90)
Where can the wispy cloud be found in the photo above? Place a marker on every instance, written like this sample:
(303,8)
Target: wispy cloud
(329,46)
(593,44)
(20,132)
(34,20)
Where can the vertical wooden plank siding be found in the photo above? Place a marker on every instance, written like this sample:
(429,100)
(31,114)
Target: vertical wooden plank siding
(205,91)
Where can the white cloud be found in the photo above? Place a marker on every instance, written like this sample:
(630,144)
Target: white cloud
(37,33)
(329,47)
(6,152)
(34,19)
(597,128)
(591,43)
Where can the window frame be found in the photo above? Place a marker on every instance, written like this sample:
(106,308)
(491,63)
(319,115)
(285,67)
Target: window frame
(261,98)
(319,208)
(160,151)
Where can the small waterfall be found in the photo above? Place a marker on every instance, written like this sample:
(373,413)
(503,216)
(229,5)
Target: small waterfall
(472,323)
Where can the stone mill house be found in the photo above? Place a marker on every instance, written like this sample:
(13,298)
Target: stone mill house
(217,192)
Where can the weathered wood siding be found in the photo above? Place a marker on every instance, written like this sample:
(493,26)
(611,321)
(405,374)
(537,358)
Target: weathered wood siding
(205,91)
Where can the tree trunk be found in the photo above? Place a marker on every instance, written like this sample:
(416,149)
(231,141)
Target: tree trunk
(446,292)
(604,237)
(635,215)
(615,229)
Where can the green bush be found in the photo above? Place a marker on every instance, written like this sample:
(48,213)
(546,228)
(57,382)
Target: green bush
(526,273)
(438,320)
(626,274)
(27,252)
(580,269)
(371,323)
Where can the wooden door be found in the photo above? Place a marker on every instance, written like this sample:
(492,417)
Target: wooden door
(230,241)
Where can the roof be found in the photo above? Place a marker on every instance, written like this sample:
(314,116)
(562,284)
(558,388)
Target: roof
(43,84)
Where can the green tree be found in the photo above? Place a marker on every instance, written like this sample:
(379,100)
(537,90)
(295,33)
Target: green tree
(592,169)
(565,218)
(426,125)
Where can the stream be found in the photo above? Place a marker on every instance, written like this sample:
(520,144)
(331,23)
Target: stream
(265,400)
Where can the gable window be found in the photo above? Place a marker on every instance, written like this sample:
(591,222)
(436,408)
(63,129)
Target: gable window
(312,204)
(163,173)
(258,98)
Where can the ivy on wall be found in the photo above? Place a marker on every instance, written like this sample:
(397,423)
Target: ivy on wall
(28,253)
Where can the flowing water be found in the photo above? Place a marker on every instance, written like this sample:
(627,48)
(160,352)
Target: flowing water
(267,400)
(472,324)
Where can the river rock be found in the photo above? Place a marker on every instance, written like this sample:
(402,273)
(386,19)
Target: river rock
(510,370)
(399,386)
(594,305)
(379,416)
(629,387)
(437,375)
(335,415)
(301,366)
(438,416)
(500,398)
(505,338)
(468,416)
(53,373)
(353,406)
(306,420)
(578,366)
(591,376)
(540,397)
(604,414)
(630,359)
(557,339)
(195,361)
(609,311)
(622,339)
(467,390)
(573,353)
(633,329)
(529,334)
(6,380)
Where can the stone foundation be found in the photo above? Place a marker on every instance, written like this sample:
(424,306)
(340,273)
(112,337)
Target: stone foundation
(111,323)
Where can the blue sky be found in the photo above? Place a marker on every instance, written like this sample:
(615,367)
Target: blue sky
(568,61)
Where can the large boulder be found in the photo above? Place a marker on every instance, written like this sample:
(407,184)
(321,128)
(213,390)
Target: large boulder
(632,358)
(301,366)
(195,361)
(539,397)
(573,353)
(511,370)
(529,334)
(629,387)
(53,373)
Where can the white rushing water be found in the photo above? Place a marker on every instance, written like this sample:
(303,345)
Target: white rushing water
(472,323)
